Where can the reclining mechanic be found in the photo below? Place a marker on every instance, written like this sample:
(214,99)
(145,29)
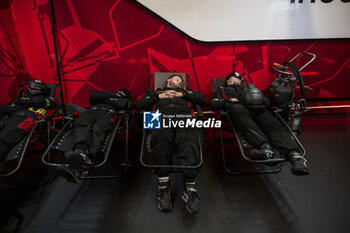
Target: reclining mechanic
(172,100)
(247,111)
(91,129)
(19,116)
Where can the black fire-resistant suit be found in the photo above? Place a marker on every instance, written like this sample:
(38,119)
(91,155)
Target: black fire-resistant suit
(258,127)
(19,118)
(93,126)
(181,141)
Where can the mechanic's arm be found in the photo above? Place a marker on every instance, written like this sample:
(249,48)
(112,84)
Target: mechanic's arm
(36,102)
(148,100)
(218,102)
(120,103)
(97,97)
(5,109)
(193,96)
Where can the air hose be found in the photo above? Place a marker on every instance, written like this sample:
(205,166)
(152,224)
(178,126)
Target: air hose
(297,74)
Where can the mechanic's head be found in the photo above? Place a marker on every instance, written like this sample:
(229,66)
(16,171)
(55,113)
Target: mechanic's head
(233,78)
(174,81)
(38,87)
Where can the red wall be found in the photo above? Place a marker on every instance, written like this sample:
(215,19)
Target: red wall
(114,44)
(12,63)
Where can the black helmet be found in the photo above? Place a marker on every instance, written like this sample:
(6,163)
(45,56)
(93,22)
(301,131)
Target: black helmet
(234,74)
(252,97)
(38,87)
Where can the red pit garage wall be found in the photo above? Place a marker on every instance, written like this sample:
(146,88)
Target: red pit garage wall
(114,44)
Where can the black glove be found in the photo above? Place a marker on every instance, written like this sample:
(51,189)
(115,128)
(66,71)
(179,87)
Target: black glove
(228,103)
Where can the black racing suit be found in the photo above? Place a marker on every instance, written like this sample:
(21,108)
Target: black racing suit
(183,142)
(258,127)
(19,118)
(93,126)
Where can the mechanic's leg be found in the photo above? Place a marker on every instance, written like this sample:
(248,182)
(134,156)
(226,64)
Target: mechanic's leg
(242,119)
(105,122)
(15,128)
(78,159)
(2,124)
(83,130)
(283,141)
(279,137)
(187,151)
(162,151)
(4,150)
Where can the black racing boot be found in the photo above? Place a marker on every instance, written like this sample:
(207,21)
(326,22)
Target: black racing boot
(164,200)
(190,196)
(69,173)
(298,164)
(79,160)
(264,153)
